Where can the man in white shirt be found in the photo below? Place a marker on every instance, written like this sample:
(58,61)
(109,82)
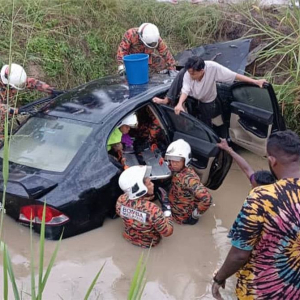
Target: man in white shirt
(199,82)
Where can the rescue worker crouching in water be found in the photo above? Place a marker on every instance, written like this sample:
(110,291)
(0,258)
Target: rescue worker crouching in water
(120,136)
(188,197)
(145,223)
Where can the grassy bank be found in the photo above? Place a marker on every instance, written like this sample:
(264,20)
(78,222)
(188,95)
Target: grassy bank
(69,42)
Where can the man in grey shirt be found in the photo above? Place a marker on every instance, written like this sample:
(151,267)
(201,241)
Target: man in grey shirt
(199,82)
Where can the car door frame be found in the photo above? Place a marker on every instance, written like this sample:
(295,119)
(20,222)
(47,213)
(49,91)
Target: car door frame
(240,110)
(222,162)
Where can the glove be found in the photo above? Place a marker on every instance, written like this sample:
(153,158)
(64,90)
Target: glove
(56,93)
(121,70)
(173,73)
(164,201)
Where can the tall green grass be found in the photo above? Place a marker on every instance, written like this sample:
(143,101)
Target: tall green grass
(280,58)
(139,278)
(8,274)
(70,42)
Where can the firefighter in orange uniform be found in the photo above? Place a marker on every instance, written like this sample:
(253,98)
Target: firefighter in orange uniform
(146,39)
(13,79)
(189,198)
(145,223)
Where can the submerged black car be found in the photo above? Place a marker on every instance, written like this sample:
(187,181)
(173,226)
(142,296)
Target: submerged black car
(59,155)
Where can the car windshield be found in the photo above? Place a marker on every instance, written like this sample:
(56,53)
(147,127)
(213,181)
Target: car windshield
(47,143)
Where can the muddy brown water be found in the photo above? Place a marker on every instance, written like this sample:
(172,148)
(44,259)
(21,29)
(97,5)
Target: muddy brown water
(180,267)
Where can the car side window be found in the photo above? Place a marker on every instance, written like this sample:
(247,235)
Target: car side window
(187,125)
(253,96)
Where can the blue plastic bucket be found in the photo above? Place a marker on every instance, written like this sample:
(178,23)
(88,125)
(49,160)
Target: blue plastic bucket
(136,66)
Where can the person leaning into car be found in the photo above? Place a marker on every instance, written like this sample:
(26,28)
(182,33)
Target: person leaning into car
(198,80)
(146,39)
(144,222)
(13,79)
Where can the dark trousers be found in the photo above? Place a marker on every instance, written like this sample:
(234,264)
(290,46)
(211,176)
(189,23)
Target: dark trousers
(205,112)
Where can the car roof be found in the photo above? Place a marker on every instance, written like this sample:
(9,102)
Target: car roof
(95,100)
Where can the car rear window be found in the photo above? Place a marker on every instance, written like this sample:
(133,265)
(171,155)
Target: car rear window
(47,143)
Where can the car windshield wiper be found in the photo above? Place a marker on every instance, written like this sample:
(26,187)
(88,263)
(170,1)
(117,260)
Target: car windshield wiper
(36,106)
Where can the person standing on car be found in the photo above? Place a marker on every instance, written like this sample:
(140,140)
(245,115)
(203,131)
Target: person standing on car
(146,39)
(189,198)
(13,79)
(145,223)
(199,82)
(265,253)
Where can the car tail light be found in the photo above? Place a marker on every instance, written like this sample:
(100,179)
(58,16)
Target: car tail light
(34,213)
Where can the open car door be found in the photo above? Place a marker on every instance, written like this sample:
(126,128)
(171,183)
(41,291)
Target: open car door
(211,163)
(254,116)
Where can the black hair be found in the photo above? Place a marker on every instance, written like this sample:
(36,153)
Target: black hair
(196,63)
(284,145)
(264,177)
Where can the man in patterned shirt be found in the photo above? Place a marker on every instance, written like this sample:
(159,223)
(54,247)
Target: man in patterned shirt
(265,252)
(146,39)
(189,199)
(12,80)
(145,223)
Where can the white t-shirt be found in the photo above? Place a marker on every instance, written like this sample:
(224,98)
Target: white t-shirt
(206,89)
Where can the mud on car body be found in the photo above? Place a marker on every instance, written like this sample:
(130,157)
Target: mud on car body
(59,154)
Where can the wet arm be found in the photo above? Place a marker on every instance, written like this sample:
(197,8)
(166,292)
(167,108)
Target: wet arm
(34,84)
(242,163)
(235,260)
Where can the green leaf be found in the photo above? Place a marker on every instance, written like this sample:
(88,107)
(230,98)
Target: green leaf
(11,273)
(33,295)
(51,263)
(41,259)
(140,283)
(93,283)
(134,281)
(5,281)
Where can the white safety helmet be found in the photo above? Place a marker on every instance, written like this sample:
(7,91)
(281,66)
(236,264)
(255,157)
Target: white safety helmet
(149,35)
(130,120)
(179,149)
(16,76)
(131,181)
